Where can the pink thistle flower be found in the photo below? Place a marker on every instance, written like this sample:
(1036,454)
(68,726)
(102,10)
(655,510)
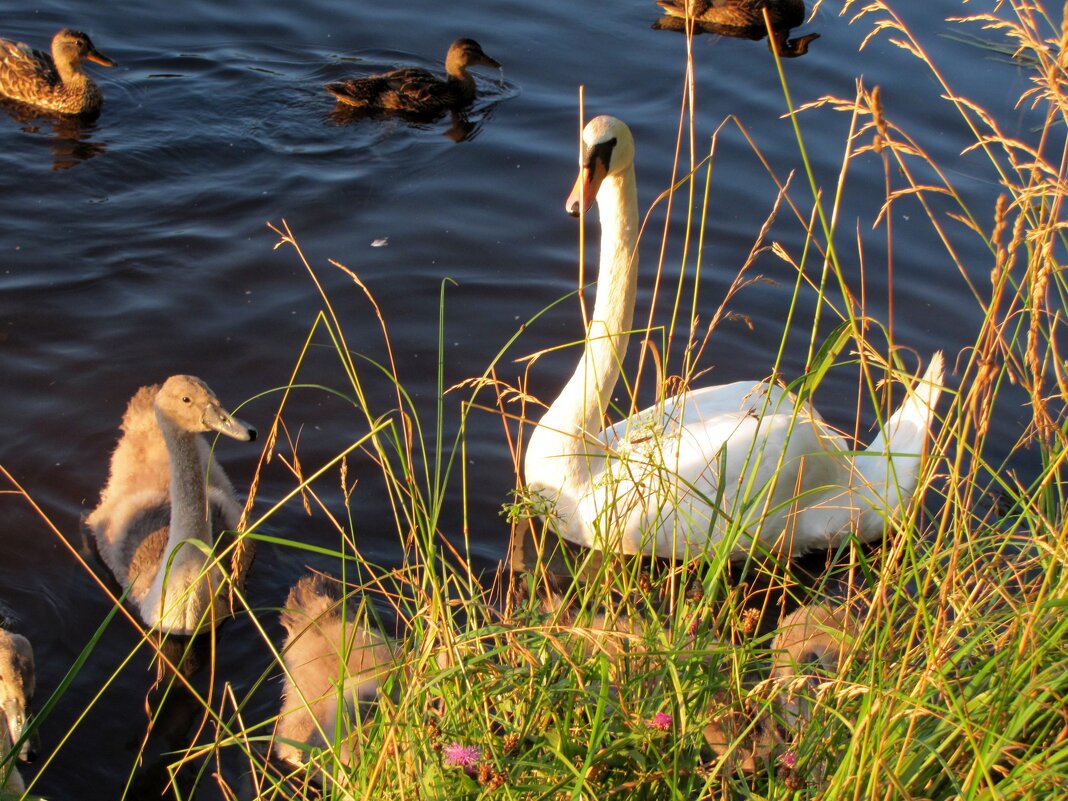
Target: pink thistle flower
(661,722)
(789,759)
(458,755)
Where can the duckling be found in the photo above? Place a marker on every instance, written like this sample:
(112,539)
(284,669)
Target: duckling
(416,91)
(330,659)
(53,82)
(165,501)
(16,698)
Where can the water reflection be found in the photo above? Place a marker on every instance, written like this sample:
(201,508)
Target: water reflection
(70,135)
(742,19)
(463,126)
(173,711)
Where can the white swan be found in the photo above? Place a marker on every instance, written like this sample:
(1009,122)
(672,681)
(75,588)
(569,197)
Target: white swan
(330,658)
(743,458)
(165,500)
(16,701)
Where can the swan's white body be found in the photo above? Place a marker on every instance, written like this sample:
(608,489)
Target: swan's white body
(710,468)
(17,681)
(165,500)
(335,668)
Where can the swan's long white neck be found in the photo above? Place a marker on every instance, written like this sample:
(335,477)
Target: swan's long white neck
(556,456)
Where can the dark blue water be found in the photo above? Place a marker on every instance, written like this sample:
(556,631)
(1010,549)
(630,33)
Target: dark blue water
(137,246)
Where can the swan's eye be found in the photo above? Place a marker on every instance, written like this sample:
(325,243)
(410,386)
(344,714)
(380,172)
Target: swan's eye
(601,151)
(186,399)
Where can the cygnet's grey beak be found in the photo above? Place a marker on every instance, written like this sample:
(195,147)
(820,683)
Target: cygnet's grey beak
(217,419)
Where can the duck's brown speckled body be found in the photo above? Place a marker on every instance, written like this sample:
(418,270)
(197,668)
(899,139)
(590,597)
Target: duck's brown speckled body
(743,19)
(416,91)
(741,14)
(53,82)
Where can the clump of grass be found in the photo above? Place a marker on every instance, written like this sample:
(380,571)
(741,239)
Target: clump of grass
(537,686)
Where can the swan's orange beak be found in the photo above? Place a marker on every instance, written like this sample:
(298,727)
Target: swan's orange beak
(586,185)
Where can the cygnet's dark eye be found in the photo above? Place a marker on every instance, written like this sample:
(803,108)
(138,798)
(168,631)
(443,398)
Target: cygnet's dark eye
(186,399)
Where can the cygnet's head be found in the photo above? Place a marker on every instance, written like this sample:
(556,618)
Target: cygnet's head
(189,404)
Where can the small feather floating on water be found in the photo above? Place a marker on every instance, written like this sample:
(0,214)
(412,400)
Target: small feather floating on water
(380,243)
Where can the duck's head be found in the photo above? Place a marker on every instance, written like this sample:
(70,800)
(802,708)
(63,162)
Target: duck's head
(607,149)
(74,46)
(16,690)
(187,402)
(465,53)
(792,48)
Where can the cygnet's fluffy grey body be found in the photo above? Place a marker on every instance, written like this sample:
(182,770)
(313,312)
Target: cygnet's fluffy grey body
(166,500)
(17,685)
(335,668)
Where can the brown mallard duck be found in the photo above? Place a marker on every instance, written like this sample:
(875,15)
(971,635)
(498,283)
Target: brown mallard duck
(741,14)
(411,90)
(743,19)
(778,42)
(53,82)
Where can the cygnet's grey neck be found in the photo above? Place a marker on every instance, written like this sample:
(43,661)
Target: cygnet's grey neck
(189,503)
